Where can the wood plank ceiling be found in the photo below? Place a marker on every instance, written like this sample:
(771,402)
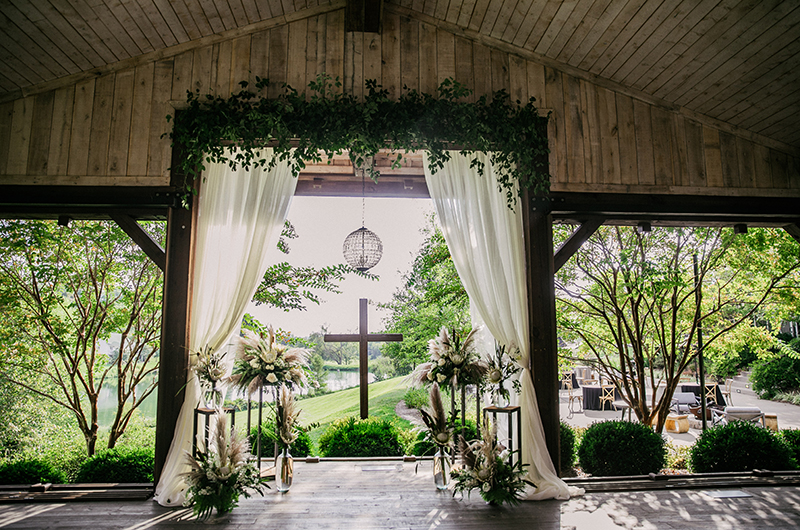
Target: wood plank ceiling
(737,61)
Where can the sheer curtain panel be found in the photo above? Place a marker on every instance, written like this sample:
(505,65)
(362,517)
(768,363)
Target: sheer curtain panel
(239,219)
(486,242)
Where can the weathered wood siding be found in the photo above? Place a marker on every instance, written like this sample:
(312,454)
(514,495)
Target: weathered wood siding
(107,129)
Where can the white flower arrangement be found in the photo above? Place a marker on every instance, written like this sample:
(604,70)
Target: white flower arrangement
(453,361)
(261,361)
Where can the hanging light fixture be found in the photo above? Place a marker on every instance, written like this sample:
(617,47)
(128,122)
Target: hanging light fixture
(362,248)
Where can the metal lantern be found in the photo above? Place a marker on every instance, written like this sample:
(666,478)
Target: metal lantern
(362,249)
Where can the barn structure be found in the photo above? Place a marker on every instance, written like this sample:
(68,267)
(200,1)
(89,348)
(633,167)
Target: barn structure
(670,112)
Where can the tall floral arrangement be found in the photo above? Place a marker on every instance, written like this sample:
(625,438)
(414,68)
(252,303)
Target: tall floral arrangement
(453,361)
(261,361)
(221,473)
(210,371)
(439,429)
(286,417)
(501,367)
(484,467)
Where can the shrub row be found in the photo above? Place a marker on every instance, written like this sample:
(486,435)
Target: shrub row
(112,465)
(618,448)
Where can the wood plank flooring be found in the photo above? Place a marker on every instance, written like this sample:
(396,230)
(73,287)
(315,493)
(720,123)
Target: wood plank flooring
(365,495)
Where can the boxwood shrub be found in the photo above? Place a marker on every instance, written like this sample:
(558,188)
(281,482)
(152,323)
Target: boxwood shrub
(117,465)
(567,447)
(792,439)
(616,448)
(740,446)
(30,471)
(352,437)
(302,446)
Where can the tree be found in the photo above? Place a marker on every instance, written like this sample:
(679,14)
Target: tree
(337,352)
(65,291)
(432,296)
(289,287)
(635,302)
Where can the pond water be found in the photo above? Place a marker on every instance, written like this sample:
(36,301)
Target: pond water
(107,404)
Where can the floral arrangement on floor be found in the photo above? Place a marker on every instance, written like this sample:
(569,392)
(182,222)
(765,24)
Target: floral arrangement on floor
(221,473)
(503,365)
(485,467)
(440,430)
(261,361)
(209,371)
(454,361)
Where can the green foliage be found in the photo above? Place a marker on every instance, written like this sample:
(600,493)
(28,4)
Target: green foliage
(30,471)
(340,353)
(616,448)
(115,465)
(792,397)
(792,438)
(302,446)
(431,297)
(771,376)
(382,368)
(65,291)
(567,446)
(353,437)
(678,456)
(740,446)
(326,122)
(417,398)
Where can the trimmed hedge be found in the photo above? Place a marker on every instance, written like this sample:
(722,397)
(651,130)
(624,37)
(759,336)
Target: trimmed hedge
(792,438)
(567,447)
(352,437)
(30,471)
(617,448)
(302,446)
(740,446)
(115,465)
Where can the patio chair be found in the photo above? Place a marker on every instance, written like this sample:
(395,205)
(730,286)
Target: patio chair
(711,393)
(727,392)
(606,396)
(728,414)
(573,398)
(681,401)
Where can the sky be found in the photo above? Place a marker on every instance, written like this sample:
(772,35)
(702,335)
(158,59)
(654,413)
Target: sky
(322,224)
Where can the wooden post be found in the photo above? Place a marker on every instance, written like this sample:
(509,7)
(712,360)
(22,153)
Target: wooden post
(540,271)
(175,305)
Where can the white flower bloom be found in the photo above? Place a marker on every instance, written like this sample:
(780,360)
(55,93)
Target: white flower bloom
(457,358)
(484,473)
(486,487)
(270,356)
(495,376)
(430,376)
(440,377)
(254,363)
(270,367)
(442,437)
(442,362)
(272,378)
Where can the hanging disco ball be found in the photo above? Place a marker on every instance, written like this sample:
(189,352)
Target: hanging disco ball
(362,249)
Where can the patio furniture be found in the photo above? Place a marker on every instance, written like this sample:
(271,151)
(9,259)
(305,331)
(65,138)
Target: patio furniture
(681,401)
(573,398)
(623,405)
(728,389)
(607,396)
(677,423)
(728,414)
(695,387)
(771,421)
(591,397)
(711,392)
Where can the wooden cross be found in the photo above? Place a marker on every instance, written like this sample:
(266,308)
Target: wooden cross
(363,339)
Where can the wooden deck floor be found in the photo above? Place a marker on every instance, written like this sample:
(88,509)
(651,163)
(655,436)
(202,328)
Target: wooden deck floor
(366,495)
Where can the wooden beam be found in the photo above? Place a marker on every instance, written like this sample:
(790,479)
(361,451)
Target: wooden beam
(793,230)
(364,15)
(139,236)
(540,270)
(176,301)
(571,245)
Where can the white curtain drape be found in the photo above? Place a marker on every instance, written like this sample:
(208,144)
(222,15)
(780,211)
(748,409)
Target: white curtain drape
(240,215)
(486,242)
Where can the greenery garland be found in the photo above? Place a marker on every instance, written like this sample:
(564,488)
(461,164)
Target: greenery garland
(329,122)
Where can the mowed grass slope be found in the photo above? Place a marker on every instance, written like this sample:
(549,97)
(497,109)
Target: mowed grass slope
(383,398)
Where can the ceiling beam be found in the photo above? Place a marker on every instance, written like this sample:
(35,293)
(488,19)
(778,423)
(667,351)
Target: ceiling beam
(145,241)
(578,238)
(793,230)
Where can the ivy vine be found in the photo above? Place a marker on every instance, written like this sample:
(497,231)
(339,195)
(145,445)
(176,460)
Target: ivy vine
(304,129)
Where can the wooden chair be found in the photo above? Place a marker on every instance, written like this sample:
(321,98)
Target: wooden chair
(573,397)
(727,392)
(606,395)
(711,393)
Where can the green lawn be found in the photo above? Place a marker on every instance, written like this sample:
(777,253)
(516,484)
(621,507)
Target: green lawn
(383,397)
